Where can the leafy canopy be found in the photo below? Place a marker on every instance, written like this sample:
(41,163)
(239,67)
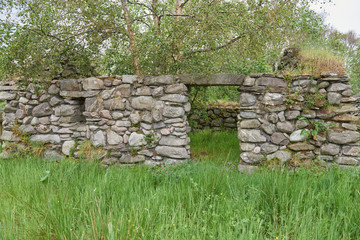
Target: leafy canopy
(58,38)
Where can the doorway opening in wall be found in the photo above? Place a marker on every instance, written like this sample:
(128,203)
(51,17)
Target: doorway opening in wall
(213,121)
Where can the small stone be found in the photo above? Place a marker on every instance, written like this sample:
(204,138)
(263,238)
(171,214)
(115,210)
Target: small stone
(326,158)
(137,140)
(251,158)
(173,141)
(345,137)
(346,160)
(281,116)
(114,104)
(158,92)
(291,115)
(55,101)
(113,138)
(98,139)
(44,109)
(247,147)
(49,138)
(273,99)
(53,89)
(143,91)
(127,158)
(299,136)
(253,123)
(268,128)
(129,78)
(335,87)
(105,114)
(351,151)
(117,115)
(165,131)
(268,148)
(279,139)
(247,99)
(286,127)
(173,112)
(142,103)
(6,96)
(301,147)
(348,93)
(249,82)
(176,88)
(350,126)
(253,136)
(67,146)
(334,98)
(346,118)
(283,156)
(172,152)
(248,115)
(323,84)
(330,149)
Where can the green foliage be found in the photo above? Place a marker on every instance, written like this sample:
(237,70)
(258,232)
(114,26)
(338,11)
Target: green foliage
(315,128)
(47,39)
(88,151)
(151,139)
(196,200)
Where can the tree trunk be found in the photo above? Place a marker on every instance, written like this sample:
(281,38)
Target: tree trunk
(130,32)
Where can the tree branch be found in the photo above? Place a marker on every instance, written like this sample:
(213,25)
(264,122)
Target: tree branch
(216,48)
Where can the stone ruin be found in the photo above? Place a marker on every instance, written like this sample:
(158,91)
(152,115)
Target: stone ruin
(144,119)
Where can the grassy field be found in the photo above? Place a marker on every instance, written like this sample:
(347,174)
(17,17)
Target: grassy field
(204,199)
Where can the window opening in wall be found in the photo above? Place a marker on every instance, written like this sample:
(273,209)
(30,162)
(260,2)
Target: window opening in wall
(213,120)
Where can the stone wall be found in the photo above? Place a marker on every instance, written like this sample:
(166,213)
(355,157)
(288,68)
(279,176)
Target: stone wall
(214,117)
(143,119)
(135,119)
(270,128)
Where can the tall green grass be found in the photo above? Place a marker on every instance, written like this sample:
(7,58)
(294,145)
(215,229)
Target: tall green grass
(199,200)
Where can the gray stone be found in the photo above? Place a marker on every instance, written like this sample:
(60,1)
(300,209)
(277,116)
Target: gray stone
(268,148)
(98,139)
(105,114)
(175,98)
(8,136)
(117,115)
(6,96)
(269,128)
(291,115)
(146,117)
(253,123)
(248,115)
(345,109)
(143,91)
(46,138)
(323,84)
(106,94)
(67,110)
(301,146)
(135,118)
(286,127)
(136,140)
(143,103)
(173,112)
(114,104)
(121,123)
(330,149)
(113,138)
(124,91)
(78,94)
(173,141)
(176,88)
(309,113)
(271,82)
(249,82)
(23,100)
(351,151)
(44,120)
(55,101)
(283,156)
(273,118)
(346,160)
(92,83)
(347,93)
(273,99)
(281,116)
(35,121)
(247,147)
(350,126)
(70,85)
(44,98)
(159,80)
(334,98)
(279,139)
(172,152)
(301,124)
(343,137)
(43,109)
(53,89)
(129,78)
(252,136)
(335,87)
(127,158)
(299,136)
(247,99)
(158,92)
(67,146)
(251,158)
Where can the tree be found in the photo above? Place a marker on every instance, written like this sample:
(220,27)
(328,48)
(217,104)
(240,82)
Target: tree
(149,36)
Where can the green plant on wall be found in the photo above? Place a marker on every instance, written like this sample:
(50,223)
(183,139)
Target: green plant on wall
(314,128)
(151,139)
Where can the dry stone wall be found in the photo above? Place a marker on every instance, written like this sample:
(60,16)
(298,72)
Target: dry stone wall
(135,119)
(279,116)
(144,119)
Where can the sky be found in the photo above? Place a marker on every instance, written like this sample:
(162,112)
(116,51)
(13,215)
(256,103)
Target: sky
(343,15)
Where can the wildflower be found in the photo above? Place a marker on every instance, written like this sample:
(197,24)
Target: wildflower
(220,193)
